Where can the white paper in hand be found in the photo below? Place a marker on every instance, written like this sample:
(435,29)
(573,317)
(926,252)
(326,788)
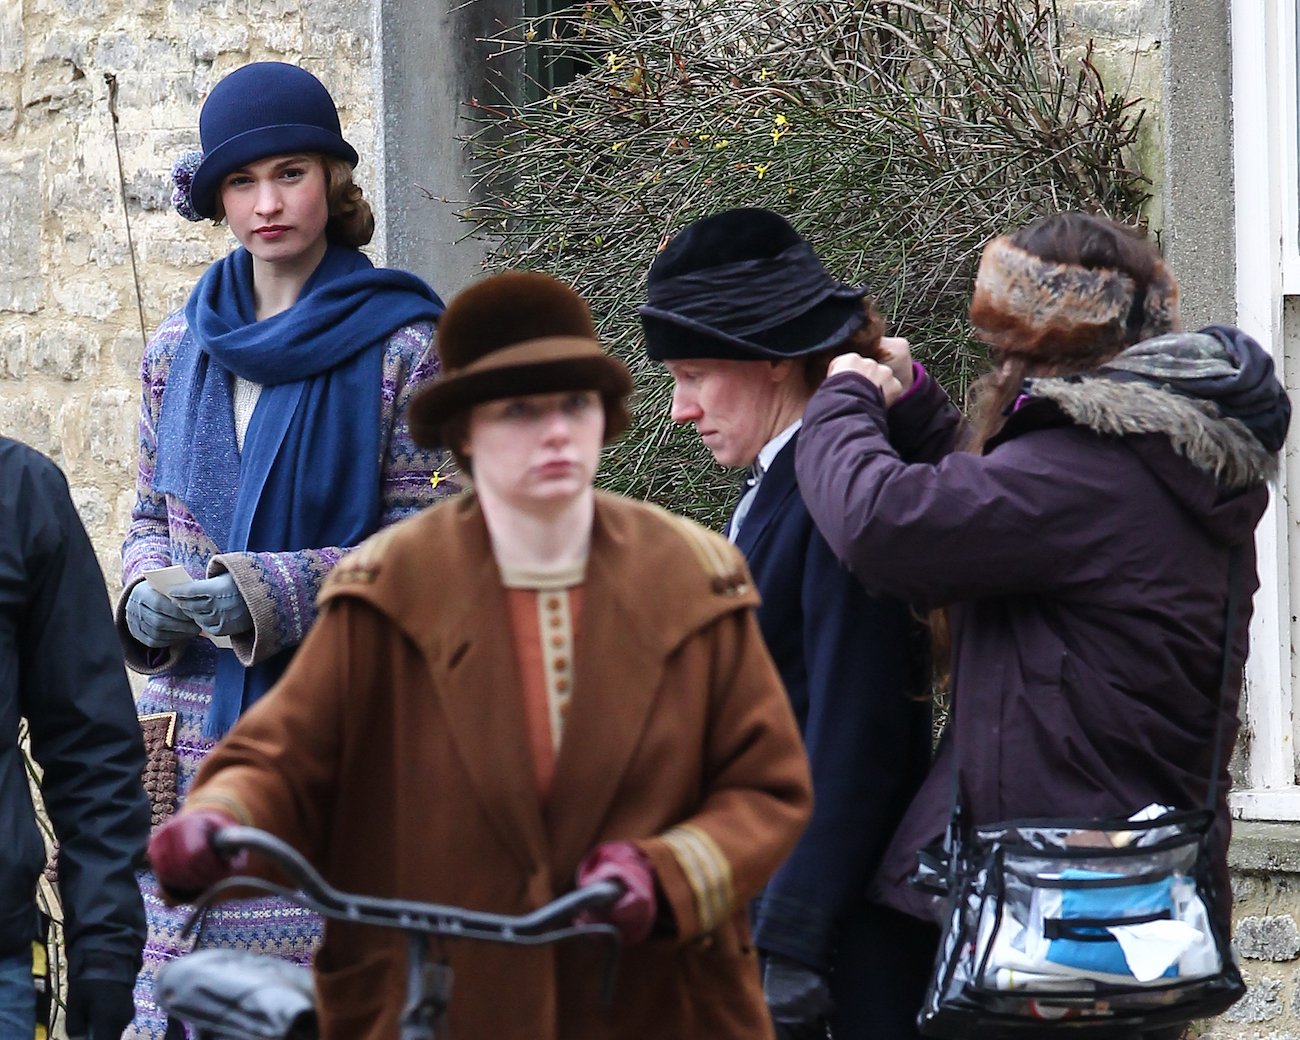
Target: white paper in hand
(164,579)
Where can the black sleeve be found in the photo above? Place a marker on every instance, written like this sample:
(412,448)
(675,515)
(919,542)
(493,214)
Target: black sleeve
(85,736)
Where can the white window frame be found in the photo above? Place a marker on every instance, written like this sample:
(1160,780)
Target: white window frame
(1266,186)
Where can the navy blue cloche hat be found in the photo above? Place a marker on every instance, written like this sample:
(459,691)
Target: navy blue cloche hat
(743,285)
(263,109)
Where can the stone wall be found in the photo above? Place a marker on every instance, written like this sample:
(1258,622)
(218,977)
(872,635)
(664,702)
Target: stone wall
(1125,39)
(96,99)
(1266,902)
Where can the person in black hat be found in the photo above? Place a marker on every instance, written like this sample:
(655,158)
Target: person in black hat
(532,686)
(746,318)
(273,437)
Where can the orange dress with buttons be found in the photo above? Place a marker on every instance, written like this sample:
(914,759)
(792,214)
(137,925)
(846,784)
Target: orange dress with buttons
(545,609)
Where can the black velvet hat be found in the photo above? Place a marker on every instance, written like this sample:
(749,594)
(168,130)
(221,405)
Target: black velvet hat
(514,334)
(744,285)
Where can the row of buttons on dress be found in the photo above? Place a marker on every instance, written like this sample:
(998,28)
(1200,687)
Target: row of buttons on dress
(557,664)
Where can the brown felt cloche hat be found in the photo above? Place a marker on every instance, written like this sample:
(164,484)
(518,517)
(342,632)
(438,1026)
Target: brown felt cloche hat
(511,334)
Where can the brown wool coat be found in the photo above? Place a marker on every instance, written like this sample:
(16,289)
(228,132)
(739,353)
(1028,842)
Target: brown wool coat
(394,755)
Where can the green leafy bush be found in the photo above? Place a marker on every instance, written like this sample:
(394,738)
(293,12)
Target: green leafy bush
(897,135)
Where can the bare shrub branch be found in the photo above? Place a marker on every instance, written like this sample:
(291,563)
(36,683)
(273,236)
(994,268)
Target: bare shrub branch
(898,135)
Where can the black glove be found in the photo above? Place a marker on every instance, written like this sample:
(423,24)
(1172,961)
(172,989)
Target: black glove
(99,1009)
(798,998)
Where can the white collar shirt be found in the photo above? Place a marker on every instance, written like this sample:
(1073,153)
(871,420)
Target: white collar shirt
(766,456)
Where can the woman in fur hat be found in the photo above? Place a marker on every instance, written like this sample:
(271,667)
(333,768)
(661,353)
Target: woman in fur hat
(532,686)
(1080,539)
(272,438)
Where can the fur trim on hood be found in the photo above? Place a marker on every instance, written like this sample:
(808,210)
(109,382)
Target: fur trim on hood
(1221,446)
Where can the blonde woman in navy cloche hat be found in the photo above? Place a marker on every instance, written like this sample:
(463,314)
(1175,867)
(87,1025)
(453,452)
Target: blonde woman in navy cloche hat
(273,437)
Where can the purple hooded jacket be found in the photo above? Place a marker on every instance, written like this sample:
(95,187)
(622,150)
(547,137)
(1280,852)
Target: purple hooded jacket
(1083,558)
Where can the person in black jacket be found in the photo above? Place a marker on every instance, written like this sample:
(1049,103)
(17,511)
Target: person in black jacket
(746,318)
(61,669)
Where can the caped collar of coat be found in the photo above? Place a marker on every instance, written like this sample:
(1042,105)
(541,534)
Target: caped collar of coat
(1219,446)
(654,582)
(637,558)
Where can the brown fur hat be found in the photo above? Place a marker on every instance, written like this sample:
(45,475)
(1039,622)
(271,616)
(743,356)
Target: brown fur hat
(1029,306)
(513,334)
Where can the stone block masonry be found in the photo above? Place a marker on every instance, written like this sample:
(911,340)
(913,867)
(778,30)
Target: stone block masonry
(1266,906)
(70,307)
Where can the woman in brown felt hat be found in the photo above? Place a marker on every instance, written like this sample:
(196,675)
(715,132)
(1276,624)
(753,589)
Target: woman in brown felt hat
(571,687)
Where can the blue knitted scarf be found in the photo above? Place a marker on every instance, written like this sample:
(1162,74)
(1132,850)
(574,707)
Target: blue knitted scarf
(308,475)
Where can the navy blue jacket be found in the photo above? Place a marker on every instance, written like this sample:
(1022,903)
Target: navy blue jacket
(61,669)
(852,666)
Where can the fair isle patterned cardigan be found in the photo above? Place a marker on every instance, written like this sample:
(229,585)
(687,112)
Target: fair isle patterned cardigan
(280,588)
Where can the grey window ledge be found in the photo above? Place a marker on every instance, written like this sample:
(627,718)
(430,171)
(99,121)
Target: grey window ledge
(1265,847)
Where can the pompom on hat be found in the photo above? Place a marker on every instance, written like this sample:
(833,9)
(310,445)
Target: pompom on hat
(183,183)
(513,334)
(744,285)
(259,110)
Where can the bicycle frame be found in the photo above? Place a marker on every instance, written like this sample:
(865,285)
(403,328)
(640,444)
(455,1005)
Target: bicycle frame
(428,985)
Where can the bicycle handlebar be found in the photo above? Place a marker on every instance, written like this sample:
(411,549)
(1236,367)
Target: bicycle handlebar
(546,924)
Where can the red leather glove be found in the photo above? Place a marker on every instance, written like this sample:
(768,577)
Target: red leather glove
(182,855)
(634,914)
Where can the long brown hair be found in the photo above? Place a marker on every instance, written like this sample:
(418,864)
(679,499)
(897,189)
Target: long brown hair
(1078,240)
(864,340)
